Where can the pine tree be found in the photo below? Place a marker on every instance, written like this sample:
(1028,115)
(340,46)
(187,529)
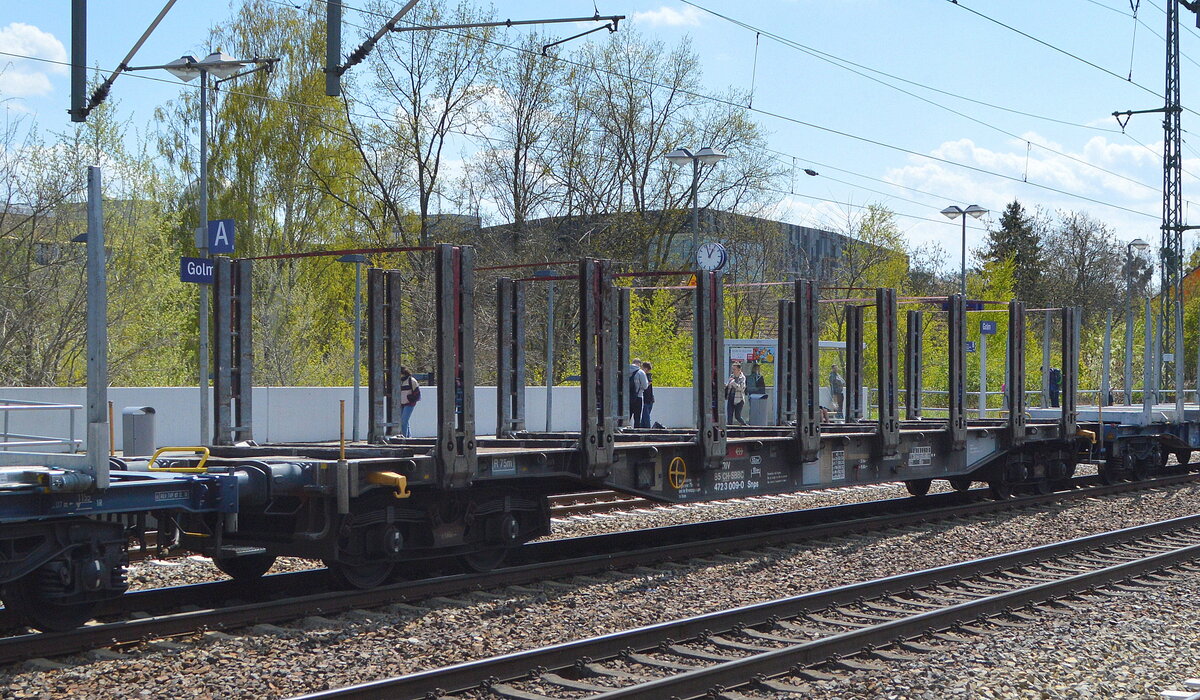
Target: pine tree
(1019,240)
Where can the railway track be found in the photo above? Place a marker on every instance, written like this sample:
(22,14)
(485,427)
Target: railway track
(592,502)
(275,599)
(766,648)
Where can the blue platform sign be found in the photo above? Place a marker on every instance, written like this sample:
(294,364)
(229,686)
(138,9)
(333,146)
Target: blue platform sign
(198,270)
(970,346)
(220,236)
(987,327)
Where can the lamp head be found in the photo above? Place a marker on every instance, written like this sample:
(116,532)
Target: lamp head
(184,68)
(680,156)
(221,65)
(709,155)
(352,258)
(1139,244)
(976,211)
(952,212)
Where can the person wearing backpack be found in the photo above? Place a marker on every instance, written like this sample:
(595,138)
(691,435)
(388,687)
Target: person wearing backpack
(647,396)
(410,394)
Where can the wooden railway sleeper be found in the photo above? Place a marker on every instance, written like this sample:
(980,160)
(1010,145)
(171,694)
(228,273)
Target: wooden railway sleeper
(507,691)
(863,615)
(982,587)
(573,684)
(601,670)
(661,664)
(893,656)
(802,629)
(885,608)
(1064,568)
(910,600)
(952,592)
(767,636)
(1031,578)
(727,643)
(774,686)
(821,619)
(689,653)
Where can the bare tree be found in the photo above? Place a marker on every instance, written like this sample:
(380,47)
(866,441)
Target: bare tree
(430,84)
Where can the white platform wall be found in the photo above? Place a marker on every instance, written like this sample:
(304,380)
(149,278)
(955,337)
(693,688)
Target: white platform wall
(283,414)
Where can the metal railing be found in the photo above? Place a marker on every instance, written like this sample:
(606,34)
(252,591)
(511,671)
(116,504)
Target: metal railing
(9,439)
(972,397)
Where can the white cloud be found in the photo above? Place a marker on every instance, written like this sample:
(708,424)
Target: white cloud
(1041,167)
(668,17)
(24,78)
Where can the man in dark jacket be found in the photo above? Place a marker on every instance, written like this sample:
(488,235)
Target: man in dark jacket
(1055,386)
(637,385)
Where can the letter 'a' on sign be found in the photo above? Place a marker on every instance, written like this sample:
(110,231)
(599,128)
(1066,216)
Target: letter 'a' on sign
(220,236)
(198,270)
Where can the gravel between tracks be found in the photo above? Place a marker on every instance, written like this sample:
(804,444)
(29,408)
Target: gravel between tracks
(1131,633)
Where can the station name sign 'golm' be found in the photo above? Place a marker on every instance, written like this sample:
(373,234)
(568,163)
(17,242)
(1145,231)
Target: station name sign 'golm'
(198,270)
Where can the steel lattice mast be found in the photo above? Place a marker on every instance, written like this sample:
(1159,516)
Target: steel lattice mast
(1170,253)
(1171,250)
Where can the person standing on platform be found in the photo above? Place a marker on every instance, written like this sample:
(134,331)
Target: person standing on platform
(647,396)
(735,394)
(1055,385)
(637,386)
(410,394)
(755,383)
(837,391)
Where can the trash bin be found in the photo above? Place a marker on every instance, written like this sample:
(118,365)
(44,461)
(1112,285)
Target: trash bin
(137,431)
(760,409)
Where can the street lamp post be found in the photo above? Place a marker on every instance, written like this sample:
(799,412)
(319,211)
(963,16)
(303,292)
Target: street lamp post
(707,156)
(187,68)
(1140,245)
(952,212)
(358,260)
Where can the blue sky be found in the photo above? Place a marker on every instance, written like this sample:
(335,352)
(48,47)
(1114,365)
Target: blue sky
(1039,126)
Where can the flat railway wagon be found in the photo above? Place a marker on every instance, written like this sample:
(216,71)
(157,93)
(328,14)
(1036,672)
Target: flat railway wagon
(374,509)
(394,506)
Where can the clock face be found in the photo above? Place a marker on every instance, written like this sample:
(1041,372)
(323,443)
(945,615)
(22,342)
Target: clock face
(710,256)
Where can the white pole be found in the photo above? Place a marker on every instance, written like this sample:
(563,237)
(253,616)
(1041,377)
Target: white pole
(982,374)
(202,245)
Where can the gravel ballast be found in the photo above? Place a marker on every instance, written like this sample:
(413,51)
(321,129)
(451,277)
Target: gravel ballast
(316,653)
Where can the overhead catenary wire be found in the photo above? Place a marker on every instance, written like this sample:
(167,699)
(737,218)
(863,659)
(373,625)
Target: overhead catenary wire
(756,110)
(837,61)
(101,92)
(728,102)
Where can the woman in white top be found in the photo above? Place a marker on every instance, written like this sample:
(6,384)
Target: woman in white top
(410,394)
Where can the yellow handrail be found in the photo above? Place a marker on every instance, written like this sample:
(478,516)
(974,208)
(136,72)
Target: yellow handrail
(198,469)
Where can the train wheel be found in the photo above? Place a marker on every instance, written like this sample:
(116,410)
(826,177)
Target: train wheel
(26,598)
(248,568)
(1183,457)
(961,484)
(484,560)
(360,575)
(1001,489)
(1041,486)
(918,487)
(1108,474)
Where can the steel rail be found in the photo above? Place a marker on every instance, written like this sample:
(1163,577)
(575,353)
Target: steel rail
(702,681)
(546,560)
